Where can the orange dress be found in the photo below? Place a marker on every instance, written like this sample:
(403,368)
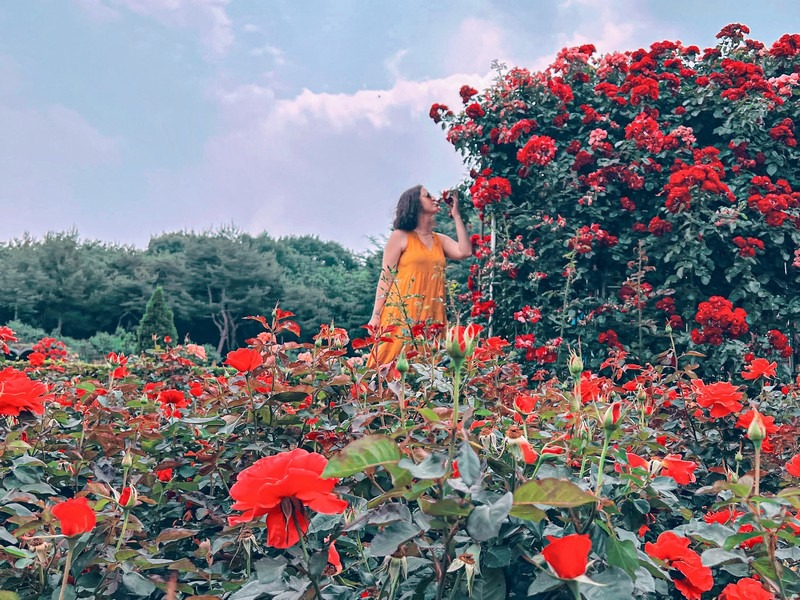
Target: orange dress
(417,295)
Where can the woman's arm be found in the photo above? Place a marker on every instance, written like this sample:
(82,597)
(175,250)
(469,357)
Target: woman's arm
(461,249)
(395,246)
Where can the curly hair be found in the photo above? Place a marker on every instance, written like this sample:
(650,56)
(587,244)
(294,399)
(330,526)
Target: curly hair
(408,209)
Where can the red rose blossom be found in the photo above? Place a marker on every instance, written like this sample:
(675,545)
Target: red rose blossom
(721,398)
(282,487)
(75,516)
(568,556)
(746,589)
(759,367)
(245,360)
(682,471)
(689,575)
(19,392)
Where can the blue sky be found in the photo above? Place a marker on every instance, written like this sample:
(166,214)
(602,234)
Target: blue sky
(128,118)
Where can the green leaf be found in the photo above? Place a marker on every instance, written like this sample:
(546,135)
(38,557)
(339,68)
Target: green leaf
(738,538)
(395,534)
(433,466)
(557,493)
(362,454)
(137,584)
(469,465)
(717,556)
(616,585)
(543,583)
(447,507)
(489,585)
(174,533)
(484,521)
(622,554)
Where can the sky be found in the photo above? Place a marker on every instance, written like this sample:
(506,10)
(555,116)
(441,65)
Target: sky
(125,119)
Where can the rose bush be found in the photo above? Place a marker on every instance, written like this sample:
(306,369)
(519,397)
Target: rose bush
(631,191)
(304,475)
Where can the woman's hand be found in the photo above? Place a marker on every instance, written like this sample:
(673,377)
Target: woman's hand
(452,200)
(374,322)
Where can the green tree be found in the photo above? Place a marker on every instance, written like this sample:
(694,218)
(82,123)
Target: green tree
(158,321)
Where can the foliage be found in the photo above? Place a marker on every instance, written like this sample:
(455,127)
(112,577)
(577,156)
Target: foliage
(157,324)
(457,476)
(77,289)
(627,189)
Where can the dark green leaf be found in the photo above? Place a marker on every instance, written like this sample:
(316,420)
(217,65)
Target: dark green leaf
(395,534)
(484,521)
(469,465)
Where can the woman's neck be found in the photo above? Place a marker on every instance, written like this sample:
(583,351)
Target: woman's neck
(425,224)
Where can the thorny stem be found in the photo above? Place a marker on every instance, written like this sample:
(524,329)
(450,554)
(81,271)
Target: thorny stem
(600,466)
(313,579)
(124,528)
(457,364)
(67,567)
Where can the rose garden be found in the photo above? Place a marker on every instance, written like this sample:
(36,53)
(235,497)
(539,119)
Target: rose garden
(611,414)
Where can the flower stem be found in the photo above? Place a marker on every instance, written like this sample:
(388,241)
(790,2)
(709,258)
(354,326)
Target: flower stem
(457,364)
(67,567)
(317,591)
(600,470)
(757,484)
(122,533)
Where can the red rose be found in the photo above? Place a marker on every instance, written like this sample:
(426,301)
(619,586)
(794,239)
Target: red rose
(682,471)
(75,516)
(164,475)
(691,577)
(746,589)
(793,466)
(568,556)
(172,401)
(525,404)
(720,398)
(759,367)
(19,392)
(282,487)
(245,360)
(461,341)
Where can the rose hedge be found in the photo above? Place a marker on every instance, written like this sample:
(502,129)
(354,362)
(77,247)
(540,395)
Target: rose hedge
(633,190)
(293,472)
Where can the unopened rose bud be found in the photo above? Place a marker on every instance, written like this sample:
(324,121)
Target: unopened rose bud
(575,365)
(128,496)
(127,460)
(611,418)
(402,363)
(668,328)
(757,431)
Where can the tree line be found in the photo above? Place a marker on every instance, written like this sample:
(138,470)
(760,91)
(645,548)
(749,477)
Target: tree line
(212,280)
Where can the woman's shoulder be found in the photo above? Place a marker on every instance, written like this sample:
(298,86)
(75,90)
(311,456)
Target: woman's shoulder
(398,238)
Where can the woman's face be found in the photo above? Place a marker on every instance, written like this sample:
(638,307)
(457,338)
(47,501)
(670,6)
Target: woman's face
(428,203)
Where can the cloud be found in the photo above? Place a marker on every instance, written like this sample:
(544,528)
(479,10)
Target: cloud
(278,56)
(208,17)
(611,25)
(44,153)
(474,46)
(328,164)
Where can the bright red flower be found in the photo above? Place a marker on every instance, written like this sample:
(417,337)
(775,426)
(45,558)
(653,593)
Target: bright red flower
(692,578)
(793,466)
(525,404)
(172,401)
(19,392)
(746,589)
(164,475)
(568,556)
(720,398)
(282,487)
(6,335)
(634,462)
(36,359)
(682,471)
(759,367)
(245,360)
(75,516)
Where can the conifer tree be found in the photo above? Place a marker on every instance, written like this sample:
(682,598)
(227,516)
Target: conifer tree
(158,321)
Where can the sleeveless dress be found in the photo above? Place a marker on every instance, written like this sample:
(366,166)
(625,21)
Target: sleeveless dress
(417,295)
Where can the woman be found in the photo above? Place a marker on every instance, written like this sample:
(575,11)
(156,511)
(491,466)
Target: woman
(411,288)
